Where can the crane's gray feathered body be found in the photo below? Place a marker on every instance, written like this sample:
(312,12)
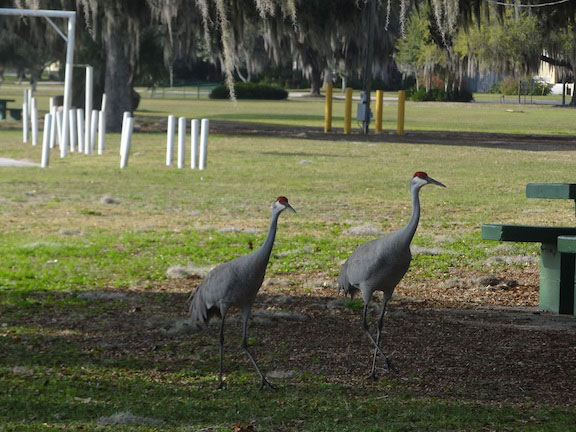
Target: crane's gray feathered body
(236,283)
(380,264)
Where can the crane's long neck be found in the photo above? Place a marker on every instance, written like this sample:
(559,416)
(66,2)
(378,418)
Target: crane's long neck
(266,248)
(410,228)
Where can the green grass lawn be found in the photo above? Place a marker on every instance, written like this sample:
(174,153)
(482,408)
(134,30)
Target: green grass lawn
(58,239)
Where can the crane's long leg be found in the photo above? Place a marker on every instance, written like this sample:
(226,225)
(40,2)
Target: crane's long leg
(264,381)
(367,329)
(220,382)
(378,334)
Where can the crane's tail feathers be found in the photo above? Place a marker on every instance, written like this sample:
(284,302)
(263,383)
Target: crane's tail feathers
(343,283)
(199,311)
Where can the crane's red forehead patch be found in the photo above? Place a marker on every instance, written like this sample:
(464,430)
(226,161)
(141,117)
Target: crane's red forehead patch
(282,200)
(420,174)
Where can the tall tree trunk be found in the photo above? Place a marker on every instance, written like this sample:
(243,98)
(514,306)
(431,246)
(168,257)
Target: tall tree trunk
(118,84)
(315,80)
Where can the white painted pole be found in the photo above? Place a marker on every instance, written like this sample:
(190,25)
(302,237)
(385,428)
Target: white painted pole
(181,141)
(103,104)
(26,109)
(52,104)
(52,126)
(129,125)
(27,96)
(34,121)
(68,83)
(93,130)
(88,108)
(101,132)
(170,139)
(25,126)
(58,118)
(73,132)
(124,118)
(87,134)
(80,129)
(194,132)
(203,144)
(46,140)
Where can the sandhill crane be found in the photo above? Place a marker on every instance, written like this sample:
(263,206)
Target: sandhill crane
(236,283)
(380,264)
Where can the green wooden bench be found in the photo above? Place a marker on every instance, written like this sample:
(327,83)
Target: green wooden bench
(557,251)
(4,107)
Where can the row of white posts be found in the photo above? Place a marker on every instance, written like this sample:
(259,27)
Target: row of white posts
(199,150)
(87,128)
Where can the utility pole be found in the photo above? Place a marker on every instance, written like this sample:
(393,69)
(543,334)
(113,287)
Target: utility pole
(364,112)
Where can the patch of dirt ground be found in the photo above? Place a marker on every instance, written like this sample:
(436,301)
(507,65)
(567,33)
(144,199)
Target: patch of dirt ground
(482,350)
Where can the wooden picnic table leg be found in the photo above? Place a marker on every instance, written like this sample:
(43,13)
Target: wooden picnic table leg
(557,272)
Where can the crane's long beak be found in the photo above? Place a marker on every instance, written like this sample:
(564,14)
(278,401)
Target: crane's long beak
(436,182)
(288,206)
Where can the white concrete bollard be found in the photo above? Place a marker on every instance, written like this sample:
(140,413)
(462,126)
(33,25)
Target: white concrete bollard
(80,129)
(101,132)
(205,124)
(170,139)
(125,116)
(46,140)
(89,96)
(58,118)
(181,141)
(34,121)
(53,126)
(73,131)
(194,135)
(93,130)
(25,126)
(127,138)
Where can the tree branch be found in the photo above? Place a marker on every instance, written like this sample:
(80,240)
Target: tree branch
(556,62)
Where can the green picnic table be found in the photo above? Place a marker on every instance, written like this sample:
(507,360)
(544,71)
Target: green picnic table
(15,113)
(557,251)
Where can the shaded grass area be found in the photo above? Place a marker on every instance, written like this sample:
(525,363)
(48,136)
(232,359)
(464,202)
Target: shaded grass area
(68,363)
(312,406)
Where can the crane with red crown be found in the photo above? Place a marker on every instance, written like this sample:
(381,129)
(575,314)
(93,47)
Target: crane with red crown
(380,264)
(236,283)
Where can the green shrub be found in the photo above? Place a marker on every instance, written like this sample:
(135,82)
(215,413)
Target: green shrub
(250,91)
(509,86)
(439,95)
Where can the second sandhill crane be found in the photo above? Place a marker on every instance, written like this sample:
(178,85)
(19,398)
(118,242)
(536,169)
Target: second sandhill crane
(380,264)
(236,283)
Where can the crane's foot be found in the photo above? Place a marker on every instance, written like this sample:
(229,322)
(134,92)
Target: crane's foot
(266,383)
(221,386)
(389,366)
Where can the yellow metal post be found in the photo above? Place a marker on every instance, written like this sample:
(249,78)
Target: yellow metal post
(328,108)
(348,112)
(401,104)
(379,99)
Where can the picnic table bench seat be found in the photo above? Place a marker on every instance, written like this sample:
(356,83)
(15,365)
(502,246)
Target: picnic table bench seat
(557,268)
(557,250)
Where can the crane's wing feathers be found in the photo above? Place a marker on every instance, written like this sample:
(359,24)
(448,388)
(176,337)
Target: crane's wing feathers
(233,283)
(376,265)
(206,299)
